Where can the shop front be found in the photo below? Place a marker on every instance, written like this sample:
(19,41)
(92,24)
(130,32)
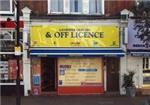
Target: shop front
(74,59)
(8,61)
(139,52)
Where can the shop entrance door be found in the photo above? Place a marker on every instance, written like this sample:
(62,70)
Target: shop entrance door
(48,74)
(113,74)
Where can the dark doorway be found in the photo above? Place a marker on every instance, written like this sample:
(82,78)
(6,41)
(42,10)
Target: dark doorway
(113,74)
(48,74)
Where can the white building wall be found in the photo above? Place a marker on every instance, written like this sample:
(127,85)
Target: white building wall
(135,64)
(123,68)
(130,63)
(26,61)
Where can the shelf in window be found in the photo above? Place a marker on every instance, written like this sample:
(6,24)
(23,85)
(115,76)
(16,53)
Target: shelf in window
(21,83)
(7,39)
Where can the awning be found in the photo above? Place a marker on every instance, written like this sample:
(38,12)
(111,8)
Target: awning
(76,52)
(139,53)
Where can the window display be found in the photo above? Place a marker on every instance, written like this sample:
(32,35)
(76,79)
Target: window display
(146,71)
(8,69)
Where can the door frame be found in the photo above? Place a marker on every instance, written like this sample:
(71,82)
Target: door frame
(55,72)
(106,74)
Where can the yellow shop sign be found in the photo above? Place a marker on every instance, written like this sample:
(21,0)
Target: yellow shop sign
(75,36)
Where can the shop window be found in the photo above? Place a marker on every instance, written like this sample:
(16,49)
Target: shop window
(146,71)
(7,40)
(146,65)
(5,6)
(8,65)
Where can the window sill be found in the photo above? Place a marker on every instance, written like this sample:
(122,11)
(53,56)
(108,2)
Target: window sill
(97,14)
(55,13)
(6,12)
(74,13)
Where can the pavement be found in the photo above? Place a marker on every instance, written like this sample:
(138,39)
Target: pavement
(77,100)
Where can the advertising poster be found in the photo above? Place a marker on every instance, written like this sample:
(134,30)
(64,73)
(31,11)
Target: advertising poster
(80,71)
(75,36)
(12,69)
(137,37)
(36,76)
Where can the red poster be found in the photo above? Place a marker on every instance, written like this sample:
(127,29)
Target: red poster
(12,69)
(36,77)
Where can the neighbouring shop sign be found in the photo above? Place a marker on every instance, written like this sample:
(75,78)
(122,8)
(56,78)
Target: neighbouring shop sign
(75,36)
(80,72)
(138,35)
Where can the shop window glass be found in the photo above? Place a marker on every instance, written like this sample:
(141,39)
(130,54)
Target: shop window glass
(8,62)
(5,6)
(146,64)
(7,40)
(8,70)
(146,71)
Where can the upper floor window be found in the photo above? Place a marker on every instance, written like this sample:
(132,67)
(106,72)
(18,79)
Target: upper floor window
(144,3)
(5,6)
(76,6)
(95,6)
(56,5)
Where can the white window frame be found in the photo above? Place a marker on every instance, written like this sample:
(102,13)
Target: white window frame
(11,9)
(146,63)
(66,6)
(49,8)
(85,8)
(102,9)
(78,12)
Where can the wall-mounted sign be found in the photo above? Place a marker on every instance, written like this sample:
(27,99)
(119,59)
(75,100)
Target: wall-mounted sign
(17,50)
(75,36)
(80,72)
(138,35)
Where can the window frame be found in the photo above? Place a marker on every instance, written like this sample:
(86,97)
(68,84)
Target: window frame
(146,71)
(10,10)
(146,64)
(69,11)
(49,8)
(78,11)
(102,8)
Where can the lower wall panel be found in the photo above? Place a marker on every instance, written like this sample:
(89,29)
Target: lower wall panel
(10,90)
(80,90)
